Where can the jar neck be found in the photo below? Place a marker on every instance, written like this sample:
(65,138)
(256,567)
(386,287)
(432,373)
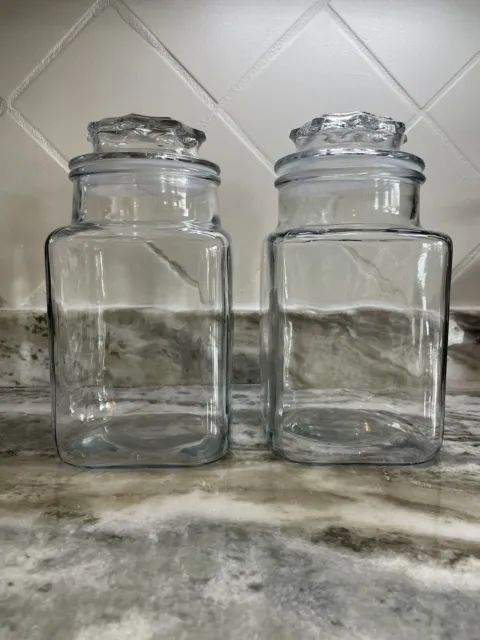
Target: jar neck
(144,196)
(385,201)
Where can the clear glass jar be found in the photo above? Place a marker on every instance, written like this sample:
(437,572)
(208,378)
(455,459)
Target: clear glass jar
(139,297)
(355,300)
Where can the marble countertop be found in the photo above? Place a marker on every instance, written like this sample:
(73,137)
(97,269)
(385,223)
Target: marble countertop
(247,548)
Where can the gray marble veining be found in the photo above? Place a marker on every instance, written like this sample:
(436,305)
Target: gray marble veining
(142,348)
(145,349)
(249,547)
(23,348)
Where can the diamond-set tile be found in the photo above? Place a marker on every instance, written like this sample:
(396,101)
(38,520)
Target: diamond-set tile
(450,198)
(422,43)
(247,195)
(457,112)
(35,199)
(248,206)
(107,70)
(218,42)
(28,30)
(320,71)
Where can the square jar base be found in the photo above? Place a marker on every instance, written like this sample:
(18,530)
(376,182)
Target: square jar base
(143,441)
(343,436)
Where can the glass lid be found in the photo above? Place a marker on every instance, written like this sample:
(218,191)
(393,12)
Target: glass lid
(139,137)
(356,133)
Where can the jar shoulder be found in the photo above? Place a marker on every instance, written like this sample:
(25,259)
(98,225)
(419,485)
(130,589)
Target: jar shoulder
(359,233)
(211,233)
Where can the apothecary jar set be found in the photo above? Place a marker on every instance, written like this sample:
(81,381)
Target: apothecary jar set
(353,309)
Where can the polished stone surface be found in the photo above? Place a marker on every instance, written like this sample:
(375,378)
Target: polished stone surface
(249,547)
(142,347)
(145,348)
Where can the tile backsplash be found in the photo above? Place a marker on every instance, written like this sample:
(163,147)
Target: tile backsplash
(245,71)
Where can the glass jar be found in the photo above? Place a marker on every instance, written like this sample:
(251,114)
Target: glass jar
(139,297)
(355,300)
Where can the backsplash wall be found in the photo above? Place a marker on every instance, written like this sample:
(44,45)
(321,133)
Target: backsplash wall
(245,71)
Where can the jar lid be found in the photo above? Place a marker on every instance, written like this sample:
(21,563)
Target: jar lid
(348,129)
(139,137)
(356,133)
(137,132)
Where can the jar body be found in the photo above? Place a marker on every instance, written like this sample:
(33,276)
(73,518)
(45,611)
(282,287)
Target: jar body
(354,337)
(139,316)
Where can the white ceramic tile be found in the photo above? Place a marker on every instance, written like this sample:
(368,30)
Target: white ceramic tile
(35,198)
(218,41)
(320,71)
(423,43)
(465,286)
(248,202)
(107,70)
(457,112)
(28,30)
(450,198)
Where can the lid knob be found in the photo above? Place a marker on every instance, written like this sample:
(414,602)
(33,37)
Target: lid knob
(140,133)
(353,129)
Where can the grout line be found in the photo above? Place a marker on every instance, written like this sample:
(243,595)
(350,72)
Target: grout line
(275,50)
(397,87)
(465,262)
(372,58)
(144,32)
(449,142)
(236,129)
(420,113)
(415,119)
(38,137)
(450,83)
(98,6)
(400,90)
(215,110)
(443,137)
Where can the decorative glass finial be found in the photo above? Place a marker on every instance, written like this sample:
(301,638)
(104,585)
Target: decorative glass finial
(140,133)
(354,129)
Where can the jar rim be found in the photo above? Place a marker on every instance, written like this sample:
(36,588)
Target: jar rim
(401,156)
(82,165)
